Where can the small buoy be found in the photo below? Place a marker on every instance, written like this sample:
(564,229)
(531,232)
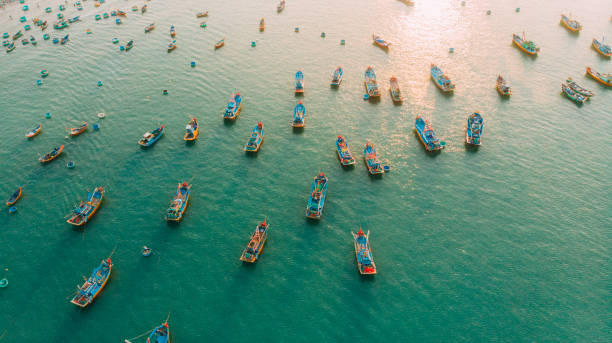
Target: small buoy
(366,96)
(297,29)
(253,44)
(3,283)
(322,34)
(101,115)
(193,64)
(489,12)
(48,115)
(451,50)
(387,168)
(146,251)
(518,9)
(96,127)
(38,82)
(70,165)
(99,83)
(12,209)
(342,42)
(165,92)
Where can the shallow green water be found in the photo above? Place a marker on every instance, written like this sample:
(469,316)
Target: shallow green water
(507,243)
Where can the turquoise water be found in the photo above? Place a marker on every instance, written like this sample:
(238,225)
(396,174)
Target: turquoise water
(507,243)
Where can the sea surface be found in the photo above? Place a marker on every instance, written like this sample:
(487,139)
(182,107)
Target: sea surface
(506,243)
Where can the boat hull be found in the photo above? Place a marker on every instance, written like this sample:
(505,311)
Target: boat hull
(183,207)
(91,214)
(597,78)
(61,149)
(13,199)
(34,132)
(529,52)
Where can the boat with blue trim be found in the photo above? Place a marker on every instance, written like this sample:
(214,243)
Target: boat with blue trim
(572,94)
(149,138)
(473,131)
(395,91)
(605,79)
(92,287)
(160,334)
(440,79)
(193,130)
(74,19)
(337,77)
(17,35)
(65,39)
(316,200)
(219,43)
(86,209)
(370,83)
(299,115)
(299,82)
(10,47)
(179,203)
(253,249)
(380,42)
(427,135)
(526,46)
(75,131)
(602,48)
(570,24)
(60,25)
(52,155)
(363,253)
(232,110)
(172,45)
(502,88)
(149,28)
(371,160)
(14,197)
(576,87)
(34,132)
(344,154)
(257,137)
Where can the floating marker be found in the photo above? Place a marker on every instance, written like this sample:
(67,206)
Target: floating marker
(99,83)
(70,165)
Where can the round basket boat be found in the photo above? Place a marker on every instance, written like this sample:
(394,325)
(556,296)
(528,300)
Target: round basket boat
(12,209)
(366,96)
(387,168)
(3,283)
(101,115)
(146,251)
(70,165)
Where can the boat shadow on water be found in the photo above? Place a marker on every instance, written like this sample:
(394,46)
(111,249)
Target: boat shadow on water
(470,148)
(229,122)
(299,130)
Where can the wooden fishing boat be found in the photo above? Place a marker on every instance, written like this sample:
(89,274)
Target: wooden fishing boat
(60,25)
(179,203)
(572,94)
(14,197)
(92,287)
(129,45)
(299,82)
(86,209)
(121,13)
(316,200)
(605,79)
(220,43)
(149,27)
(43,26)
(337,77)
(394,89)
(502,88)
(427,135)
(75,131)
(262,25)
(193,130)
(143,9)
(253,249)
(10,47)
(74,19)
(380,42)
(202,14)
(257,137)
(576,87)
(602,48)
(17,35)
(526,46)
(371,160)
(299,115)
(160,334)
(232,110)
(370,83)
(570,24)
(172,31)
(34,132)
(344,154)
(281,6)
(65,39)
(52,155)
(172,45)
(363,253)
(440,79)
(149,138)
(474,128)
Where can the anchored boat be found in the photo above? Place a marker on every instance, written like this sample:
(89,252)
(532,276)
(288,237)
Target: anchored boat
(281,6)
(394,89)
(380,42)
(363,253)
(149,28)
(605,79)
(440,79)
(75,131)
(129,45)
(65,39)
(202,14)
(576,87)
(316,200)
(602,48)
(160,334)
(92,287)
(257,137)
(572,94)
(258,239)
(34,132)
(219,43)
(86,209)
(526,46)
(172,45)
(337,77)
(299,113)
(502,88)
(473,131)
(14,197)
(193,130)
(149,138)
(299,82)
(262,25)
(52,155)
(172,31)
(427,135)
(232,110)
(179,203)
(371,160)
(344,154)
(570,24)
(370,83)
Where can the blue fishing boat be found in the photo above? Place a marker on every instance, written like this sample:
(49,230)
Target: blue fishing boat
(149,27)
(86,209)
(172,45)
(441,80)
(371,160)
(570,24)
(572,94)
(602,48)
(65,39)
(299,115)
(232,110)
(52,155)
(299,82)
(525,45)
(363,253)
(344,154)
(74,19)
(14,197)
(149,138)
(60,25)
(129,45)
(370,83)
(473,132)
(160,334)
(10,47)
(252,251)
(17,35)
(427,135)
(179,203)
(337,77)
(576,87)
(257,137)
(316,200)
(92,287)
(380,42)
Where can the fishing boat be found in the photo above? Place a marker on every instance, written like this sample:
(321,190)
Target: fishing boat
(232,110)
(371,160)
(220,43)
(602,48)
(74,19)
(10,47)
(75,131)
(65,39)
(149,27)
(299,113)
(60,25)
(160,334)
(299,82)
(502,88)
(427,135)
(337,77)
(121,13)
(14,197)
(572,94)
(193,130)
(370,83)
(262,24)
(363,253)
(344,154)
(281,6)
(149,138)
(179,203)
(172,45)
(440,79)
(34,132)
(576,87)
(17,35)
(129,45)
(86,209)
(144,8)
(202,14)
(394,89)
(316,200)
(172,31)
(473,132)
(52,155)
(252,251)
(24,41)
(257,137)
(92,287)
(605,79)
(526,46)
(135,8)
(33,40)
(43,26)
(380,42)
(570,24)
(203,24)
